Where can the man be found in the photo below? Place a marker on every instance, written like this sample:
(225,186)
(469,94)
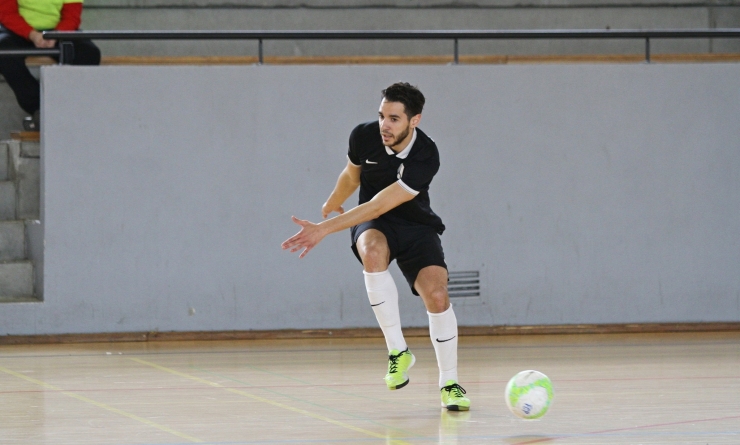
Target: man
(22,22)
(393,163)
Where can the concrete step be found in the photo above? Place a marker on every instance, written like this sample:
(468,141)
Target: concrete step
(21,235)
(30,149)
(7,200)
(12,241)
(24,171)
(16,281)
(4,167)
(35,253)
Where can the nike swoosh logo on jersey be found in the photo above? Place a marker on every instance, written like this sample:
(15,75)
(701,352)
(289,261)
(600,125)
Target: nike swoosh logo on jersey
(442,341)
(368,161)
(373,305)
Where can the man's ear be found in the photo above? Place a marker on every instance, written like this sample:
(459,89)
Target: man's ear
(415,120)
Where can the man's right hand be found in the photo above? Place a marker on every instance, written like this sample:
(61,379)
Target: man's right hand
(38,40)
(326,209)
(307,238)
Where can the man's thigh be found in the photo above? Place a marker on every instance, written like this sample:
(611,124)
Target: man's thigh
(373,249)
(13,67)
(373,244)
(86,53)
(9,40)
(420,247)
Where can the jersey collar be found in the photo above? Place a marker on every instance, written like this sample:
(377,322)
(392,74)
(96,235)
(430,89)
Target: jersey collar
(405,152)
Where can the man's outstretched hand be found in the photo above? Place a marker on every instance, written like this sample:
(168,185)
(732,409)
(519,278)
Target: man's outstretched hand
(307,238)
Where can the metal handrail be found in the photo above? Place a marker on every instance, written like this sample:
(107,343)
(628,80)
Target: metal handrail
(455,35)
(65,52)
(29,52)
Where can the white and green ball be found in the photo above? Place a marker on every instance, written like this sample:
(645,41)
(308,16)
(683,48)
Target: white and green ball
(529,394)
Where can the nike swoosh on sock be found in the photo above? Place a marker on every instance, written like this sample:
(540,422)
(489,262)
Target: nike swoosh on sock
(442,341)
(373,305)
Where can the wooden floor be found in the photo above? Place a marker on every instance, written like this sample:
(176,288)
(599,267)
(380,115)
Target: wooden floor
(609,389)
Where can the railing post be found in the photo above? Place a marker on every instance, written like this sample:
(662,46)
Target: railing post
(457,53)
(261,57)
(647,49)
(66,52)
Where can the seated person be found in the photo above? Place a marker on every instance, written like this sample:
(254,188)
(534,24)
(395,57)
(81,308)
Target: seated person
(22,22)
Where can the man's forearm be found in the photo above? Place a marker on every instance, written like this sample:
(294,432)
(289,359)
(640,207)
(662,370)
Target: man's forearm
(346,185)
(389,198)
(361,213)
(12,20)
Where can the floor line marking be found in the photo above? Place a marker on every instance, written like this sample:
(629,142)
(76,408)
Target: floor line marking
(720,343)
(405,432)
(617,430)
(100,405)
(268,401)
(658,425)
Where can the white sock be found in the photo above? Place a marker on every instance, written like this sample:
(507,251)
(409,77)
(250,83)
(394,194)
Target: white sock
(383,296)
(443,331)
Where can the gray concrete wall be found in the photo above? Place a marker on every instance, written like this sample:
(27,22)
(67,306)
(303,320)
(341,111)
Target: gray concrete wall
(582,194)
(422,14)
(396,14)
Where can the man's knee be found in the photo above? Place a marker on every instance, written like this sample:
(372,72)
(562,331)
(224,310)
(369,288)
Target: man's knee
(375,261)
(9,66)
(374,251)
(86,53)
(438,300)
(431,283)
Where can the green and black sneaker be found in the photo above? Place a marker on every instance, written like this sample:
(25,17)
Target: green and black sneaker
(453,397)
(399,364)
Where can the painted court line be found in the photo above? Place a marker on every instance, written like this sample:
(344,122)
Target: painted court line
(101,405)
(606,433)
(405,433)
(647,344)
(269,402)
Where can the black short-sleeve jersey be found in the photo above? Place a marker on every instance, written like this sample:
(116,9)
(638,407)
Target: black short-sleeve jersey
(381,167)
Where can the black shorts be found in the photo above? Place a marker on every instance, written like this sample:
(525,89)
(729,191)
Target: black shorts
(414,247)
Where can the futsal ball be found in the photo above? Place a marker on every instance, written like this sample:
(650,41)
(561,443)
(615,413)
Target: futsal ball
(529,394)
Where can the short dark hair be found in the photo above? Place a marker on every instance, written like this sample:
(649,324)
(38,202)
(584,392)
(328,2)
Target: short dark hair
(408,95)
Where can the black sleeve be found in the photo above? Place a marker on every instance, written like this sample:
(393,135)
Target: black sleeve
(352,152)
(418,175)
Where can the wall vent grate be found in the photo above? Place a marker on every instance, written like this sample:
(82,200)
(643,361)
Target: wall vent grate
(464,284)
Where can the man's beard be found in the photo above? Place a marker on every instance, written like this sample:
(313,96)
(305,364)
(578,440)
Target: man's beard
(401,137)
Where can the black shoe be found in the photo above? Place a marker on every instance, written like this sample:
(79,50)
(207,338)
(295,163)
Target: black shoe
(32,123)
